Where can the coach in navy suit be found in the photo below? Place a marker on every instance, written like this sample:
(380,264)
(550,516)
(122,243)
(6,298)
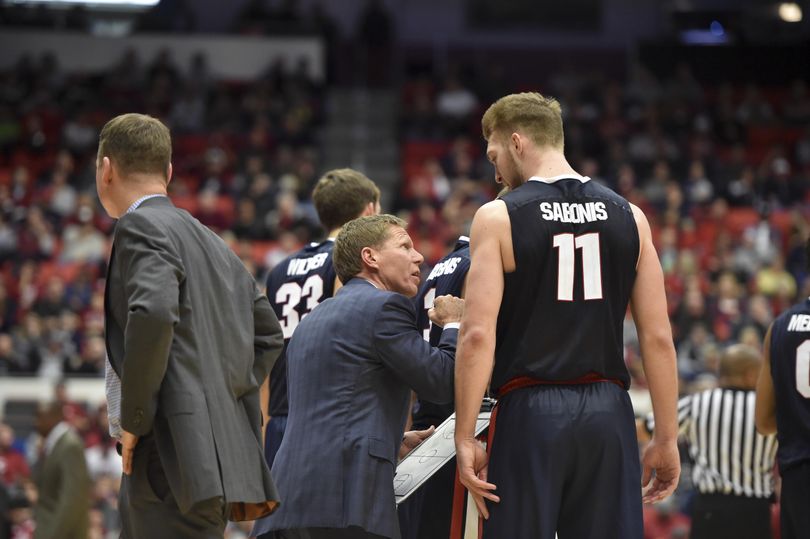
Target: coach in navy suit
(352,364)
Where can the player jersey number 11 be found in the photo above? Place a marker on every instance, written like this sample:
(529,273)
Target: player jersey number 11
(591,265)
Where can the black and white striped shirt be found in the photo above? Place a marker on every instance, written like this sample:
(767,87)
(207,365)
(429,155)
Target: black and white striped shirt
(728,455)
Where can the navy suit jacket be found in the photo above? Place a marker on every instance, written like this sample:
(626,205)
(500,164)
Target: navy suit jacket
(352,363)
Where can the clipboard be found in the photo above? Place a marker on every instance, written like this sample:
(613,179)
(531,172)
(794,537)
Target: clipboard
(430,456)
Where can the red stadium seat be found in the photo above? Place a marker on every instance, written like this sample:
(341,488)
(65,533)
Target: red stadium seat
(739,219)
(187,202)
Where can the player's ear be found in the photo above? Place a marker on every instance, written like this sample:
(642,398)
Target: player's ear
(516,142)
(370,209)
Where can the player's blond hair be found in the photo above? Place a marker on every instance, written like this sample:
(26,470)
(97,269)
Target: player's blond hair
(529,113)
(356,235)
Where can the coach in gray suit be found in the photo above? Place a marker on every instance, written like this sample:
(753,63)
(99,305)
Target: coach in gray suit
(191,338)
(63,484)
(352,364)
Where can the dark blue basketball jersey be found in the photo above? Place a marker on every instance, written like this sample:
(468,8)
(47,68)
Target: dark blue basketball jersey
(446,277)
(576,248)
(790,370)
(295,287)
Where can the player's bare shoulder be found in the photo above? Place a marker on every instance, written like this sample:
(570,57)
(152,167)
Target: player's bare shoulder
(638,214)
(643,226)
(492,216)
(491,226)
(493,207)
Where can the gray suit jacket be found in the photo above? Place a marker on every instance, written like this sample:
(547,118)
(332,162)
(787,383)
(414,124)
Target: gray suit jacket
(351,365)
(64,491)
(192,338)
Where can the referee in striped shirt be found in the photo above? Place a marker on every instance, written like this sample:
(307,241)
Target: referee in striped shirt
(733,465)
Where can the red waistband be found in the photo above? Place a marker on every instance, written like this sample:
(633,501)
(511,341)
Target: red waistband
(528,381)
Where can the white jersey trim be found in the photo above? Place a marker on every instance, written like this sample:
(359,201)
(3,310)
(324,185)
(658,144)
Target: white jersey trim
(553,179)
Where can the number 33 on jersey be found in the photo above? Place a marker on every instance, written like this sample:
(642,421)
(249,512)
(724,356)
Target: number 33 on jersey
(300,283)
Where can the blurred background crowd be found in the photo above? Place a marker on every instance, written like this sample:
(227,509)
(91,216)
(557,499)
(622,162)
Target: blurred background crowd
(720,166)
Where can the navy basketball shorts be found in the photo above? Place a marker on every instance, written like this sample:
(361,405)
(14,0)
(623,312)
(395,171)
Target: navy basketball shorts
(794,516)
(565,459)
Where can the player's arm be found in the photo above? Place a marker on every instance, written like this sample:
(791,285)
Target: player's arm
(476,347)
(264,404)
(765,412)
(268,338)
(649,307)
(409,419)
(264,388)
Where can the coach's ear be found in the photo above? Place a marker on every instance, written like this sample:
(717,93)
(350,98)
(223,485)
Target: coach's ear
(369,258)
(104,172)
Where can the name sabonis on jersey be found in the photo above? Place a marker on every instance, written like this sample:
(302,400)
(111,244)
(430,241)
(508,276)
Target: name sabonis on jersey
(573,212)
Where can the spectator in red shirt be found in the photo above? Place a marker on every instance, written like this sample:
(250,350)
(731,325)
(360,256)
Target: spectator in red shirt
(13,467)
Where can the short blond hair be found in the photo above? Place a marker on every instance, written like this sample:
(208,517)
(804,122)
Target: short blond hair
(341,195)
(356,235)
(136,143)
(531,114)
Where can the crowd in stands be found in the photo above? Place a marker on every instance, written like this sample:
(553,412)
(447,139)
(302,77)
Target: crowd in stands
(721,171)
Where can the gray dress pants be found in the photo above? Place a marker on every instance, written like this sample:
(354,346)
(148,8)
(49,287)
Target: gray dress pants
(148,507)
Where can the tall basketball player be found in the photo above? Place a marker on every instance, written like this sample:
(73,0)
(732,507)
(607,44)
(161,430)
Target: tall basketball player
(555,263)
